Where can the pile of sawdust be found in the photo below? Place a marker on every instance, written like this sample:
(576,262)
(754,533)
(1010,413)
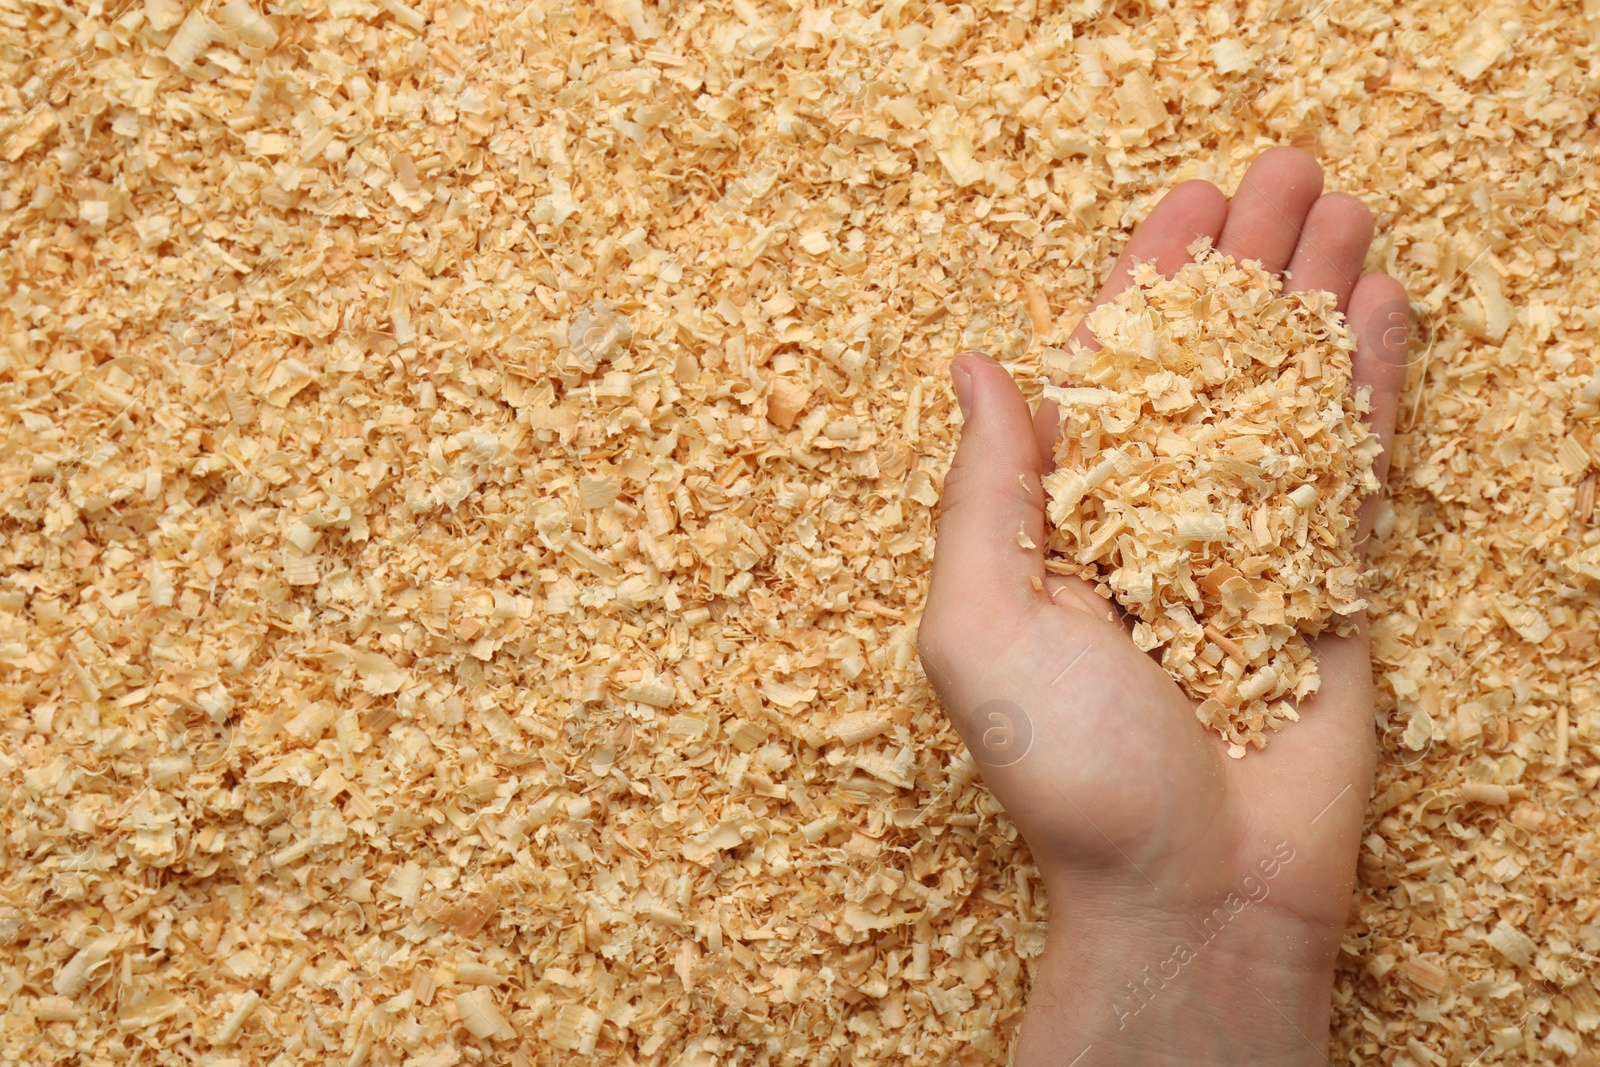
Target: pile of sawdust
(418,419)
(1209,477)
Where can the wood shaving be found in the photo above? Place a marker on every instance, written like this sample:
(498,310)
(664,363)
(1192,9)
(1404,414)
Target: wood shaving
(1209,476)
(772,225)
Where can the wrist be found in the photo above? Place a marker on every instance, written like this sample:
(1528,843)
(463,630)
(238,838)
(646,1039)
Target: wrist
(1236,981)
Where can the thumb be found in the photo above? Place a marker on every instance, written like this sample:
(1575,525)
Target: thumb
(983,573)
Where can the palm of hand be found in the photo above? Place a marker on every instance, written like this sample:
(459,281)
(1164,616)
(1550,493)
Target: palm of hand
(1095,752)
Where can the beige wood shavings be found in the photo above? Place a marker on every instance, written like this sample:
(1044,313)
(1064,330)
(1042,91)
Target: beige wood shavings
(771,225)
(1208,480)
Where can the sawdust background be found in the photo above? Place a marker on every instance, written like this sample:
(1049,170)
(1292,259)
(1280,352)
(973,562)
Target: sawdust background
(466,500)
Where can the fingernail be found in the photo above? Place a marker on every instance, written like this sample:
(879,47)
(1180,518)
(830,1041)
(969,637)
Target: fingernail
(961,382)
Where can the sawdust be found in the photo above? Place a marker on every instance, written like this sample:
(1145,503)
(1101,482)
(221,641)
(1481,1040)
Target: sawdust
(1209,476)
(467,475)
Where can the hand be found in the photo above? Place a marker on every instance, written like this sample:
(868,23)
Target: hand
(1141,824)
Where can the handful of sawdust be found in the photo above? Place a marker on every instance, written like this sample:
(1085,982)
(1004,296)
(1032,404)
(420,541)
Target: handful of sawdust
(1208,479)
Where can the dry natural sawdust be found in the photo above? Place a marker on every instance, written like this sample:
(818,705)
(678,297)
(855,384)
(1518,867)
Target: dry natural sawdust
(466,478)
(1208,479)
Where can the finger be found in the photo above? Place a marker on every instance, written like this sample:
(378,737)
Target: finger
(982,570)
(1081,596)
(1380,315)
(1192,209)
(1066,591)
(1046,428)
(1333,245)
(1269,209)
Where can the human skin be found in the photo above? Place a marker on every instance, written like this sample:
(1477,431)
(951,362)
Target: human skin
(1141,824)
